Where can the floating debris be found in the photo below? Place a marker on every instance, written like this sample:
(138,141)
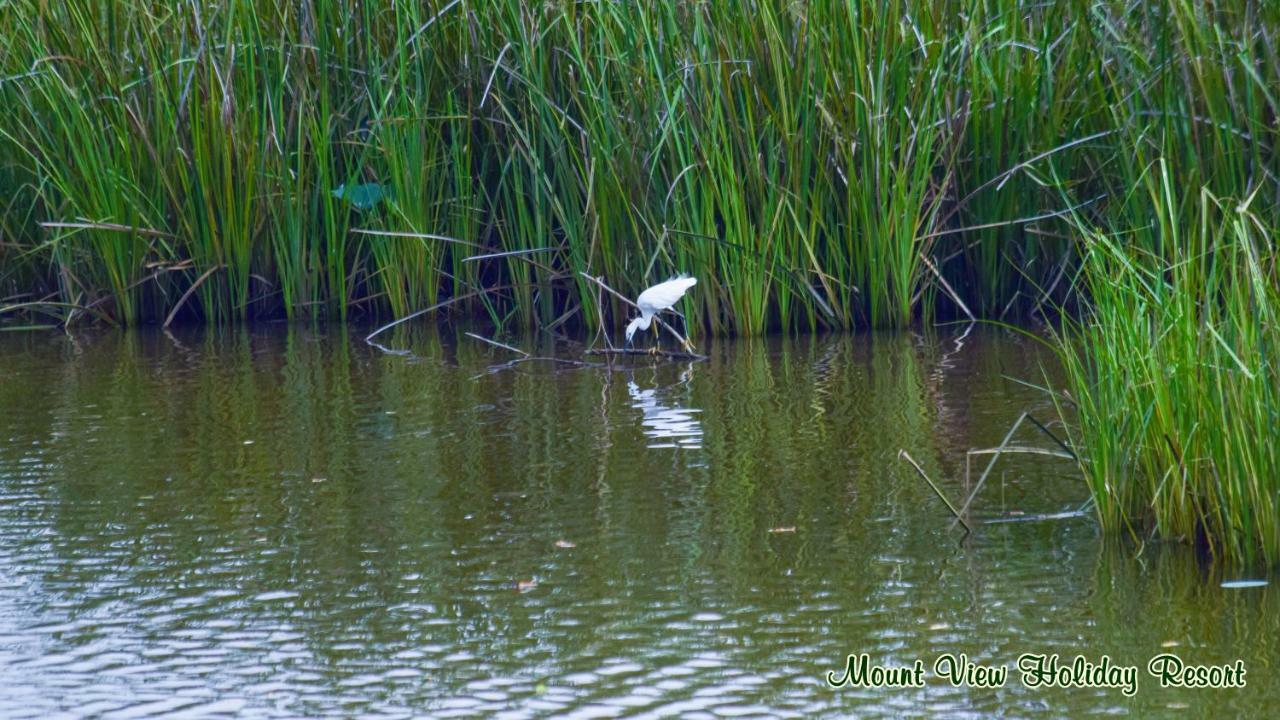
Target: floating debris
(526,585)
(778,530)
(1237,584)
(566,544)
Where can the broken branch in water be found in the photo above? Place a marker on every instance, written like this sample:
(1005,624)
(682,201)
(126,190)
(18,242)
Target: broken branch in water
(1067,515)
(526,357)
(495,343)
(1005,448)
(669,354)
(904,456)
(531,358)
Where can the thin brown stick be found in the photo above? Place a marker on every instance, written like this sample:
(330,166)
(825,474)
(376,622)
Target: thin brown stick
(508,365)
(1005,447)
(152,276)
(416,236)
(600,328)
(1062,271)
(437,306)
(946,287)
(564,318)
(182,300)
(1002,223)
(1067,515)
(902,454)
(518,254)
(495,343)
(38,306)
(426,25)
(982,479)
(1054,437)
(114,227)
(1022,450)
(510,253)
(1002,177)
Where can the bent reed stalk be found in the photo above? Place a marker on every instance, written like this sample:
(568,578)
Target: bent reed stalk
(820,165)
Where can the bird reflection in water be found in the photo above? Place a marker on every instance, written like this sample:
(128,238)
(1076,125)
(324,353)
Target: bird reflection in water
(665,423)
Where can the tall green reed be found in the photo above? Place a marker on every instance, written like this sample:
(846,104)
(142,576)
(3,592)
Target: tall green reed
(812,164)
(1172,370)
(800,159)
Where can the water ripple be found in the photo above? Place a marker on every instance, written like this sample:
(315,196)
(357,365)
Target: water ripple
(399,540)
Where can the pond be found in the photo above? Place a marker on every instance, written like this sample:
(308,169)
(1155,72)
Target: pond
(283,521)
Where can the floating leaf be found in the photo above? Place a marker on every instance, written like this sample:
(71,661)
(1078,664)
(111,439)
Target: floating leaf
(361,197)
(1234,584)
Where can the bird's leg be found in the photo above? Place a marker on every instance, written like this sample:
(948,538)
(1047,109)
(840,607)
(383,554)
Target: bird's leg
(684,339)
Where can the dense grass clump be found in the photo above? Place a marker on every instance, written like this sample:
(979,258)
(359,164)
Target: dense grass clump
(1175,373)
(817,165)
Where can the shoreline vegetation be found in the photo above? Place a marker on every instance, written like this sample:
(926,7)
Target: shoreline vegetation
(1105,171)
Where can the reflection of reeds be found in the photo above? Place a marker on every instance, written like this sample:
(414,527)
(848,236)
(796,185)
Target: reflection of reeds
(1198,615)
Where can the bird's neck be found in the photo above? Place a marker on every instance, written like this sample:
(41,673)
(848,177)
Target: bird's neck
(640,323)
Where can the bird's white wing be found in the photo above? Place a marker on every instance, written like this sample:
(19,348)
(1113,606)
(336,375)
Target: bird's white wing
(664,295)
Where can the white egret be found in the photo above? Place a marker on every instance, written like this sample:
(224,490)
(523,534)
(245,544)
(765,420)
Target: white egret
(656,299)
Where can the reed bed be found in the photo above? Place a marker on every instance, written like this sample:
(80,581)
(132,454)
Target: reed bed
(819,165)
(816,164)
(1174,377)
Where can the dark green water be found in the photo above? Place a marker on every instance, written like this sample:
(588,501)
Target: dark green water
(280,522)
